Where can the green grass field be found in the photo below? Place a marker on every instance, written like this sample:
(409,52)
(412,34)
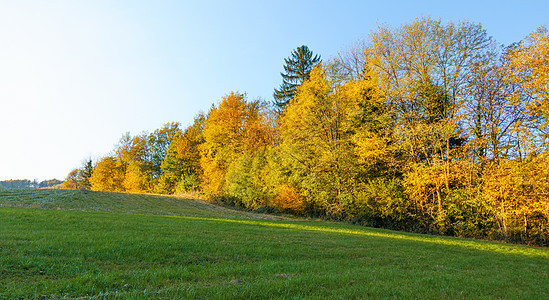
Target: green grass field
(92,245)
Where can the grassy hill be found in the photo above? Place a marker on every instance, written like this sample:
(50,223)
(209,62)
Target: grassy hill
(91,245)
(117,202)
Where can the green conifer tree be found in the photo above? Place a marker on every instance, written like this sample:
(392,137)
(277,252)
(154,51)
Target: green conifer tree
(84,175)
(296,69)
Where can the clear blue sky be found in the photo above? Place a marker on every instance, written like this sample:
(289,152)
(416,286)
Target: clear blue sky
(76,75)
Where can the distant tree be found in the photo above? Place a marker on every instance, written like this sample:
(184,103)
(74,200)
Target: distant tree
(137,177)
(181,166)
(49,183)
(27,184)
(158,143)
(16,184)
(108,175)
(72,181)
(296,69)
(85,173)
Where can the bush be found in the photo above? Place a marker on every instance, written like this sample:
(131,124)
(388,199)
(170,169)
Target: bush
(468,215)
(288,199)
(188,183)
(517,192)
(380,203)
(247,180)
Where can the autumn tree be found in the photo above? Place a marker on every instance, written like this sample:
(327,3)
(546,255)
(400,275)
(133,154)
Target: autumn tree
(137,177)
(251,178)
(223,140)
(108,175)
(490,115)
(72,181)
(181,166)
(528,69)
(134,160)
(421,69)
(296,69)
(317,140)
(234,127)
(79,178)
(373,126)
(158,143)
(352,61)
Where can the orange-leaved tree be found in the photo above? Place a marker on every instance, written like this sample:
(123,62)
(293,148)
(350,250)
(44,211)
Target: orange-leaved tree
(108,175)
(224,140)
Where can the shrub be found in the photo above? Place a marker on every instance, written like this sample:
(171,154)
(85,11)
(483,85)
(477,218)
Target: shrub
(288,199)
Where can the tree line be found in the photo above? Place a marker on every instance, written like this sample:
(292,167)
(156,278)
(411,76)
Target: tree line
(427,127)
(28,184)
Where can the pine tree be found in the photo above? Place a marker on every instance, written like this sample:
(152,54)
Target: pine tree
(85,173)
(296,69)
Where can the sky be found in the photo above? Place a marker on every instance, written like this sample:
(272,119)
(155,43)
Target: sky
(76,75)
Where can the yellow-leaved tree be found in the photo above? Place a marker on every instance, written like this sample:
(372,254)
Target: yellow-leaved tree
(137,178)
(420,69)
(232,128)
(108,175)
(528,70)
(517,192)
(181,166)
(317,144)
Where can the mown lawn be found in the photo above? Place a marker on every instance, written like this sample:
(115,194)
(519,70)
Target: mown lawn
(50,253)
(117,202)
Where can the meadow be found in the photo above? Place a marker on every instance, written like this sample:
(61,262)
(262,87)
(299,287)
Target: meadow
(65,244)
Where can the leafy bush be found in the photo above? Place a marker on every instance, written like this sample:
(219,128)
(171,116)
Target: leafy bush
(288,199)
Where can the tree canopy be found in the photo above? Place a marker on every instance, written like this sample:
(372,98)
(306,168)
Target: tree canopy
(296,69)
(429,126)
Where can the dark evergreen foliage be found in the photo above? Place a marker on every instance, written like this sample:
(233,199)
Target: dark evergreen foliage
(296,69)
(85,173)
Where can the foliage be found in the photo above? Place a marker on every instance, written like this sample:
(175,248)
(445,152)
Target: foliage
(289,199)
(529,70)
(85,174)
(182,161)
(108,175)
(517,194)
(380,202)
(233,128)
(428,127)
(247,181)
(428,188)
(296,70)
(72,180)
(27,184)
(136,177)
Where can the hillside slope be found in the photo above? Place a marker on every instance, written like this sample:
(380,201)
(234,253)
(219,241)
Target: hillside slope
(171,248)
(118,202)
